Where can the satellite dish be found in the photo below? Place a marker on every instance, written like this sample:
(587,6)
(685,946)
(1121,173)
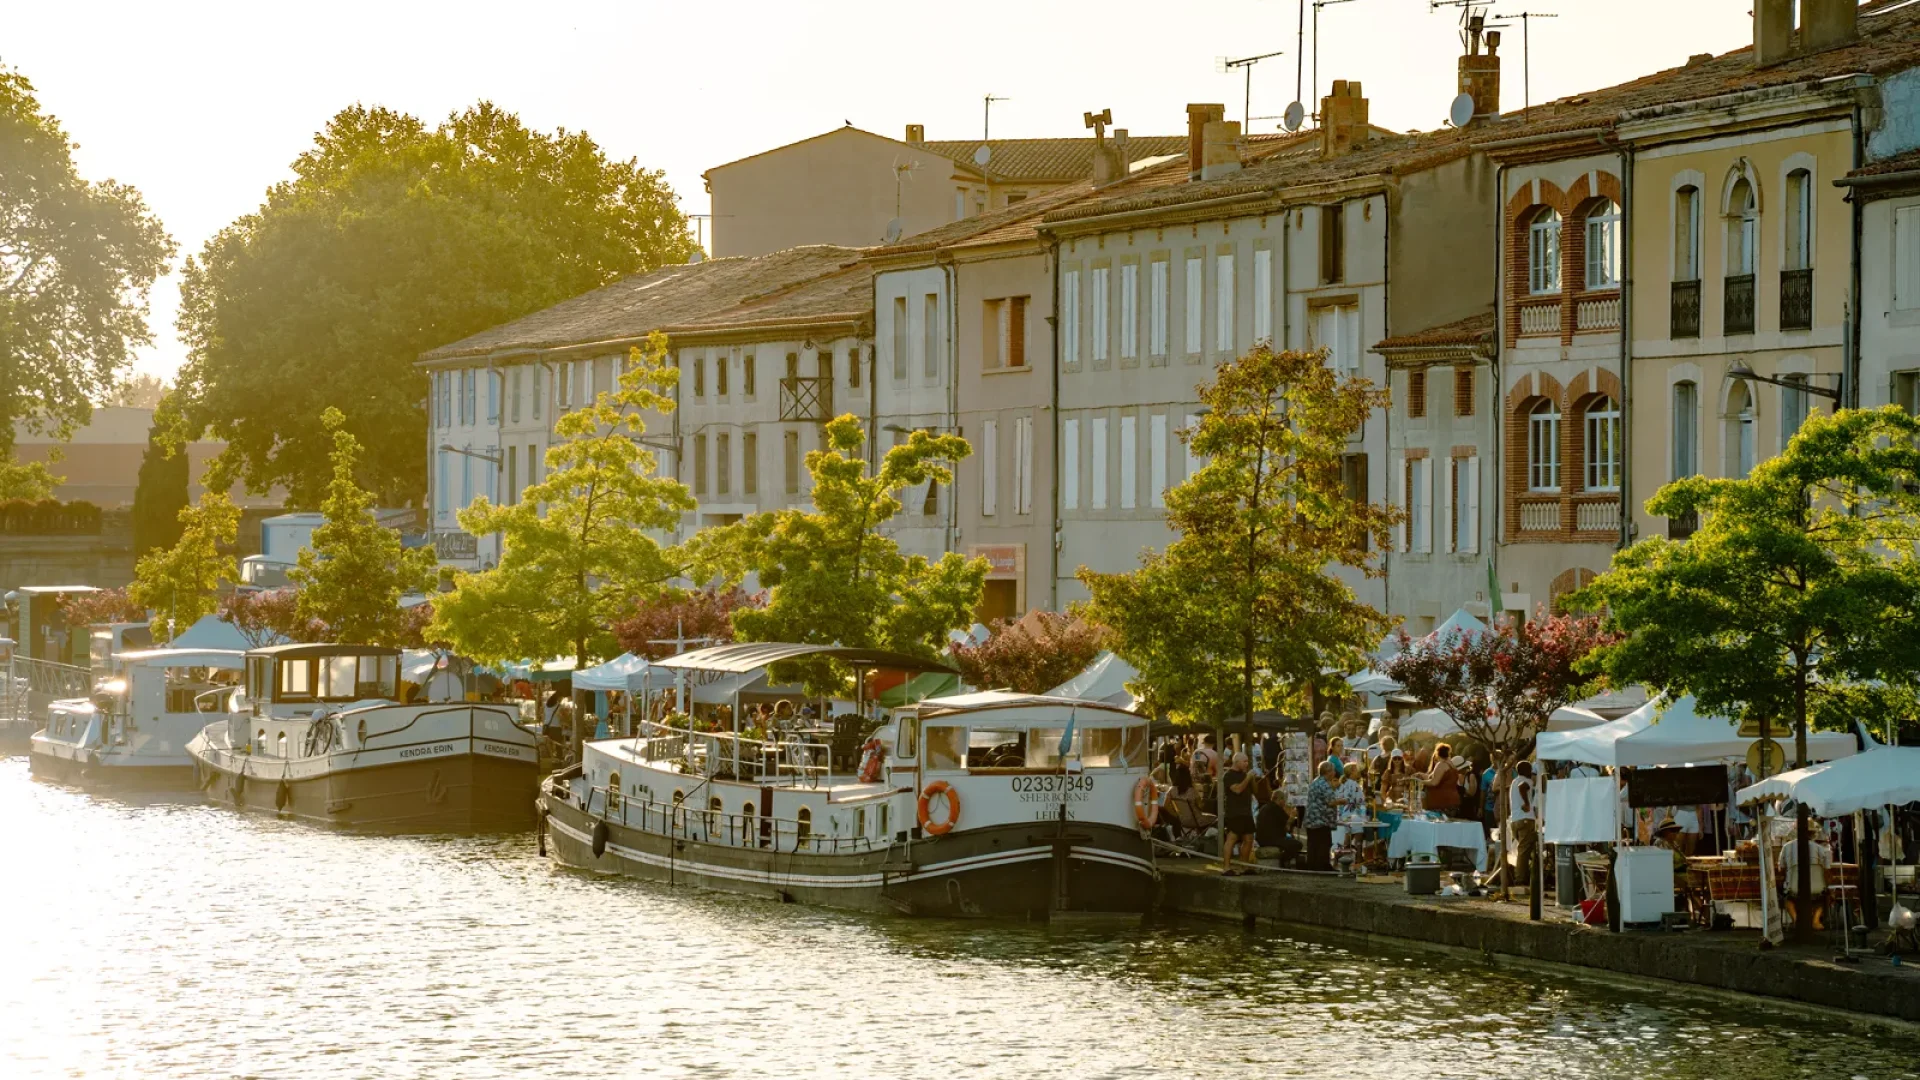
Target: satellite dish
(1296,115)
(697,256)
(1461,111)
(983,155)
(894,228)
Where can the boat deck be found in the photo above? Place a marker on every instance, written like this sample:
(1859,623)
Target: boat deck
(839,787)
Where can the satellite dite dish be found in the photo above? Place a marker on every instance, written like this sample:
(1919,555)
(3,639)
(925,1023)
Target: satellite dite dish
(1461,111)
(893,229)
(697,256)
(1296,115)
(983,155)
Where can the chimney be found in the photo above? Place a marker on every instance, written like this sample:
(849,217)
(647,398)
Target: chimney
(1110,158)
(916,133)
(1480,70)
(1220,149)
(1343,119)
(1825,24)
(1198,116)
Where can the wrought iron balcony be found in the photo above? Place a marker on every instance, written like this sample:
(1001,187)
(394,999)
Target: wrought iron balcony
(1737,316)
(806,399)
(1682,526)
(1796,299)
(1686,309)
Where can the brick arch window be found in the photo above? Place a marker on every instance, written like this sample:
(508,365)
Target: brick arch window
(1543,445)
(1568,581)
(1602,229)
(1543,252)
(1600,444)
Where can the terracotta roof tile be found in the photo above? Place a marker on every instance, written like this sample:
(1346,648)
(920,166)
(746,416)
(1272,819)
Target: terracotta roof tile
(1472,330)
(1051,160)
(1898,163)
(839,294)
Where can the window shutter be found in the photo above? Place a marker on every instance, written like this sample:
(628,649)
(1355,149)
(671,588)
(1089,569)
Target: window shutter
(1470,506)
(1070,464)
(1016,353)
(1157,460)
(1402,486)
(1196,305)
(1129,462)
(1097,455)
(1023,465)
(989,466)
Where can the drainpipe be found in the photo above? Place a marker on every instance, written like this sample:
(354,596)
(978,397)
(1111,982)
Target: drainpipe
(1054,536)
(953,398)
(1850,380)
(1626,346)
(1386,421)
(1497,458)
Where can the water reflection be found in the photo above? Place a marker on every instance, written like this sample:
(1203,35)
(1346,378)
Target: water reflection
(157,936)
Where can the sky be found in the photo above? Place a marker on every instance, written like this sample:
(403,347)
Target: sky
(203,105)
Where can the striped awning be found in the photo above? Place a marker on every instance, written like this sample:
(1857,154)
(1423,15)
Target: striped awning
(752,655)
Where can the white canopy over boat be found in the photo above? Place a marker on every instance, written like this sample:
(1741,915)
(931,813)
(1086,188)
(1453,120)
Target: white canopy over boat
(212,632)
(1883,776)
(1676,734)
(624,672)
(1104,680)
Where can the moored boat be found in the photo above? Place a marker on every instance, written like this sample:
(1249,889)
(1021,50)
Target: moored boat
(323,736)
(993,804)
(134,728)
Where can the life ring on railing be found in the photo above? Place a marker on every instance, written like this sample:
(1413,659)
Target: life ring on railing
(939,828)
(599,838)
(1146,803)
(871,758)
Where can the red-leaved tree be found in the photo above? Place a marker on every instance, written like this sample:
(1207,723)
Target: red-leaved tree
(1032,654)
(655,625)
(100,606)
(270,617)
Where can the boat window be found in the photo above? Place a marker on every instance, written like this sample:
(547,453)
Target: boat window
(280,745)
(909,737)
(260,740)
(803,826)
(860,821)
(885,820)
(100,649)
(946,747)
(1108,748)
(1043,747)
(296,681)
(997,748)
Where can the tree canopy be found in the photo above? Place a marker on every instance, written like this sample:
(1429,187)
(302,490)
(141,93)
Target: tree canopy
(831,576)
(77,259)
(580,547)
(352,577)
(270,617)
(159,495)
(180,583)
(392,238)
(1241,609)
(1032,654)
(702,616)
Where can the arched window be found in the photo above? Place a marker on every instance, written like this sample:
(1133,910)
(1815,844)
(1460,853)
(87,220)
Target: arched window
(1543,447)
(1543,253)
(1740,431)
(1743,229)
(1793,408)
(1799,208)
(1686,234)
(1686,430)
(1603,445)
(747,831)
(803,826)
(1603,246)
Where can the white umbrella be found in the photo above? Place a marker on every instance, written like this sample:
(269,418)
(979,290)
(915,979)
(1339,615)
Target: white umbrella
(1372,682)
(1432,721)
(1883,776)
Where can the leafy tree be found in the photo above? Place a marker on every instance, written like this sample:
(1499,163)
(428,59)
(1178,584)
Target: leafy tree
(569,572)
(77,259)
(698,615)
(32,481)
(100,606)
(392,238)
(1032,654)
(1799,583)
(159,495)
(179,583)
(353,576)
(138,391)
(1240,609)
(270,617)
(831,577)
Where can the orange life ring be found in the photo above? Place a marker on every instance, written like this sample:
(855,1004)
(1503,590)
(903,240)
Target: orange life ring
(939,828)
(1146,803)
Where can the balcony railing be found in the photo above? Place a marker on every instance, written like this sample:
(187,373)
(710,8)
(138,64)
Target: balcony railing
(1597,313)
(806,399)
(1682,526)
(1599,514)
(1737,317)
(1796,299)
(1540,515)
(1686,309)
(1540,317)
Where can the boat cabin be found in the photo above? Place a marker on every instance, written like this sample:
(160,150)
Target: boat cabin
(995,732)
(297,680)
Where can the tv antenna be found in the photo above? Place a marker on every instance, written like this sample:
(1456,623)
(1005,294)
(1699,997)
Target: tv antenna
(902,170)
(1317,5)
(1223,65)
(1526,51)
(986,123)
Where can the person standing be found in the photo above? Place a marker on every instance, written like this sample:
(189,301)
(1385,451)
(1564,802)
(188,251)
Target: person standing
(1522,824)
(1239,824)
(1443,783)
(1320,818)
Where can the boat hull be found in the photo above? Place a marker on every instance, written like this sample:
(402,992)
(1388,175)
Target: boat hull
(452,793)
(112,773)
(1008,871)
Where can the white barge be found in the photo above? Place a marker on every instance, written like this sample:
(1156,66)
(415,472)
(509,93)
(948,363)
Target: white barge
(993,804)
(134,729)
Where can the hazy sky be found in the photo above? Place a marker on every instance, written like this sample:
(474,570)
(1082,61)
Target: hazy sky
(202,105)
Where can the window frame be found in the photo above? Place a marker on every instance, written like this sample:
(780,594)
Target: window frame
(1543,420)
(1601,451)
(1543,253)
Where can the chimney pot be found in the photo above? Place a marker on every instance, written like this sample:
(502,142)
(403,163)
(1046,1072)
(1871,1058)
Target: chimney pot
(1772,31)
(1825,24)
(1198,116)
(1480,76)
(1343,119)
(1221,154)
(916,133)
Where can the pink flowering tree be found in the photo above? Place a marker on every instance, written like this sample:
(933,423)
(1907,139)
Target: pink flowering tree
(1031,655)
(100,606)
(270,617)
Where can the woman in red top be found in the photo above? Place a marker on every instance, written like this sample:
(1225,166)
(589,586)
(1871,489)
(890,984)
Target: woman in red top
(1443,783)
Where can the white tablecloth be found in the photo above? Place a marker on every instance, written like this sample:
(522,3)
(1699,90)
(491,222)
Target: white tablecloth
(1416,837)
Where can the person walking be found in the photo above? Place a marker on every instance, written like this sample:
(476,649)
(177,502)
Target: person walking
(1522,823)
(1239,830)
(1320,818)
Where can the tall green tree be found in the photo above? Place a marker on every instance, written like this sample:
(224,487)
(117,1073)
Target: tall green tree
(580,547)
(831,576)
(353,575)
(392,238)
(1241,609)
(181,583)
(77,258)
(1799,584)
(159,495)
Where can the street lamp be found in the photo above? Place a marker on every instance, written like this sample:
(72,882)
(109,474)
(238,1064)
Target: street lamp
(492,459)
(1744,371)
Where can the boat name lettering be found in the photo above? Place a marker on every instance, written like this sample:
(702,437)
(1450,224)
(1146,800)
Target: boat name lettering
(1051,784)
(428,751)
(499,748)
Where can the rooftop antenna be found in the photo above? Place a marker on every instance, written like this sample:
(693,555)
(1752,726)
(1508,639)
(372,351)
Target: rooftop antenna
(1223,65)
(986,124)
(1317,5)
(902,170)
(1526,51)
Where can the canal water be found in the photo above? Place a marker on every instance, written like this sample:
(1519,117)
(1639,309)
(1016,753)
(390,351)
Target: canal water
(158,937)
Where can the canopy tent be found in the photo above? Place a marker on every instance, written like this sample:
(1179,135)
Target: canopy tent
(1675,735)
(1882,776)
(211,632)
(624,672)
(1573,718)
(1431,721)
(927,684)
(1593,745)
(1105,680)
(721,691)
(1461,623)
(1372,682)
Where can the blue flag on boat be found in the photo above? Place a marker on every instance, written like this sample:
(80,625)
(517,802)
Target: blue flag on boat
(1066,737)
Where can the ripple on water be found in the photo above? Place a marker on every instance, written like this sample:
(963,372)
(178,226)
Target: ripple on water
(157,936)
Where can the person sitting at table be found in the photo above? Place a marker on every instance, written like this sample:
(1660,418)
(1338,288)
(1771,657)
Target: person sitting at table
(1273,826)
(1182,805)
(1443,783)
(1393,777)
(1350,796)
(1820,858)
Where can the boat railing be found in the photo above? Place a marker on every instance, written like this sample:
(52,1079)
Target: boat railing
(725,754)
(719,826)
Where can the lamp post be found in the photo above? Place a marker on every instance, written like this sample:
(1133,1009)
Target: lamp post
(1744,372)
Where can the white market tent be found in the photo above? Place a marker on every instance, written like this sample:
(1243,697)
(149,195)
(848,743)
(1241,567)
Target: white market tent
(1461,623)
(1593,745)
(1883,776)
(1432,721)
(1373,682)
(1105,680)
(211,632)
(1675,735)
(1574,718)
(624,672)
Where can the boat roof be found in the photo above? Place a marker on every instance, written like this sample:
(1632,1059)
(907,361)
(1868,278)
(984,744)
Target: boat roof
(752,655)
(219,658)
(301,651)
(1006,699)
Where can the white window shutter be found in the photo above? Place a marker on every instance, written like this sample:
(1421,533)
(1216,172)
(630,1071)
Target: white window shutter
(1223,282)
(1129,462)
(1023,465)
(1070,464)
(1097,455)
(989,466)
(1196,305)
(1263,296)
(1402,530)
(1157,460)
(1470,505)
